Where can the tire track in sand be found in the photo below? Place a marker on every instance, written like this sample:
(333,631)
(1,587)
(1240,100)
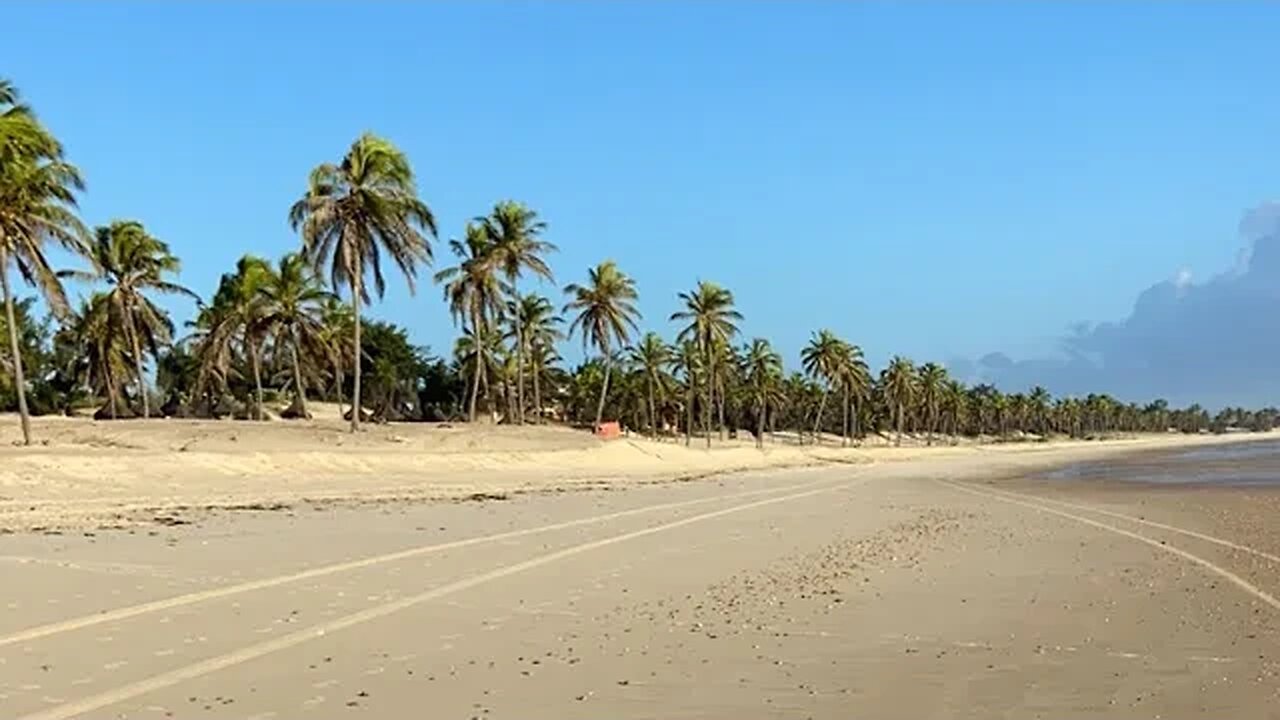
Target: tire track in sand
(204,667)
(1212,567)
(1269,557)
(124,613)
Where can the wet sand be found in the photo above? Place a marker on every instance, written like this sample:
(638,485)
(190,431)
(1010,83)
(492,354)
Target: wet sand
(943,586)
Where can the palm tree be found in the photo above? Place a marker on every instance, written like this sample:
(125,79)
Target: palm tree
(955,404)
(354,211)
(931,381)
(538,326)
(335,334)
(477,353)
(101,354)
(724,370)
(1040,399)
(294,305)
(606,315)
(37,207)
(711,316)
(900,390)
(999,403)
(651,357)
(687,361)
(131,262)
(823,358)
(1018,411)
(21,135)
(542,360)
(473,291)
(515,245)
(239,316)
(855,381)
(763,370)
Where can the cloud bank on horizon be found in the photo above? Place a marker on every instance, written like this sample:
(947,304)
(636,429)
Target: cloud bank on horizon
(1216,343)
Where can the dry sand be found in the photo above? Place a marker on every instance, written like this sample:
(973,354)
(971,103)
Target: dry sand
(941,584)
(95,475)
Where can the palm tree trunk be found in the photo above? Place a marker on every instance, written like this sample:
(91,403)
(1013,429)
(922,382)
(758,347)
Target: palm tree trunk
(255,363)
(489,403)
(111,395)
(475,370)
(817,422)
(854,412)
(720,405)
(688,420)
(519,360)
(898,440)
(338,382)
(844,420)
(19,381)
(653,412)
(355,388)
(509,397)
(132,331)
(537,394)
(760,428)
(706,410)
(298,388)
(604,389)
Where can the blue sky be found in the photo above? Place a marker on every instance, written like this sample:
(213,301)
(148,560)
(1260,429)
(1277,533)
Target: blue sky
(934,180)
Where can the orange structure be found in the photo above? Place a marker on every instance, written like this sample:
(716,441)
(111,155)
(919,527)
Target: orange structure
(609,430)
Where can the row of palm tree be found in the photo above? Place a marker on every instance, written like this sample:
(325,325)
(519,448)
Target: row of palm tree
(280,327)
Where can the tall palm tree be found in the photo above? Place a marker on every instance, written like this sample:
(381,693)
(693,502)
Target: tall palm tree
(763,370)
(711,319)
(900,390)
(606,315)
(539,330)
(516,245)
(824,359)
(855,382)
(651,357)
(37,207)
(132,263)
(474,292)
(292,313)
(354,211)
(931,380)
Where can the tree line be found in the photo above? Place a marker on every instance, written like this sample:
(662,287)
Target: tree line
(277,329)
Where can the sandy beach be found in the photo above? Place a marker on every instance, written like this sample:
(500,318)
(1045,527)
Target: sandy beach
(113,474)
(943,582)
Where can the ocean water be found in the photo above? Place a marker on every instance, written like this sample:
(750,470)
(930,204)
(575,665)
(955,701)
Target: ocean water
(1246,464)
